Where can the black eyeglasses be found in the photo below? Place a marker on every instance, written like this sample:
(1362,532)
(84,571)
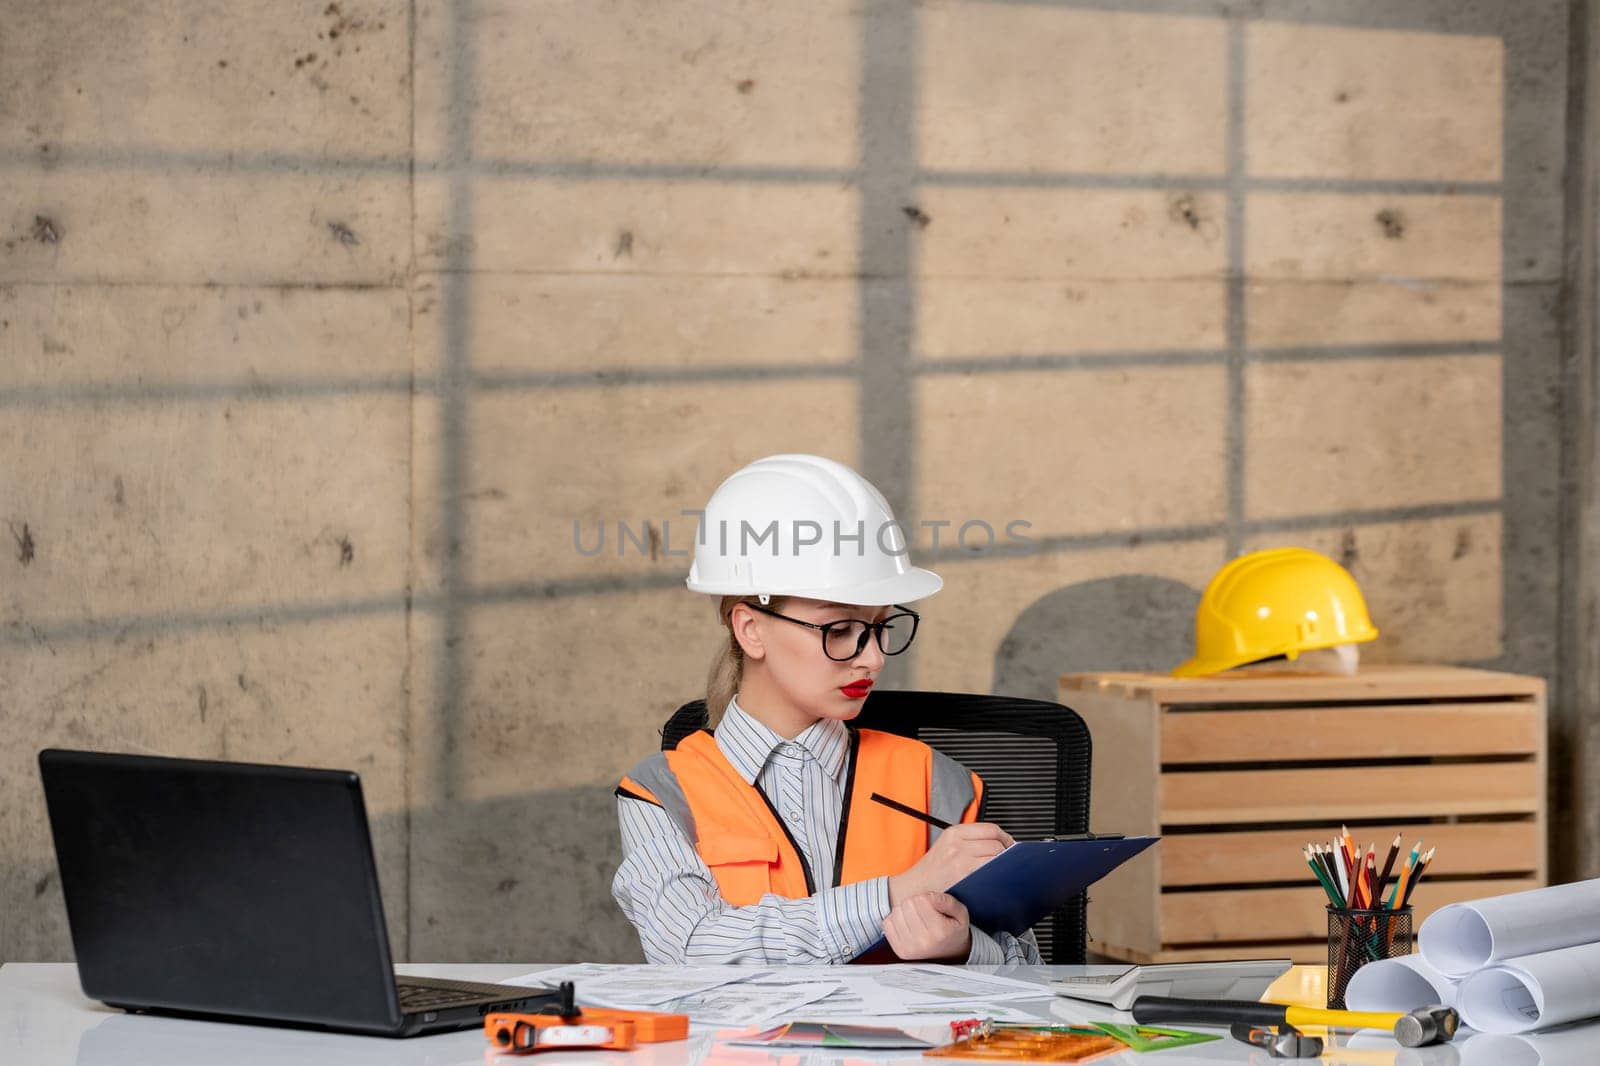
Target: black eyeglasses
(845,639)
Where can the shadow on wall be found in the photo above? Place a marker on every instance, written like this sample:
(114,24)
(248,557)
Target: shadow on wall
(1130,622)
(523,878)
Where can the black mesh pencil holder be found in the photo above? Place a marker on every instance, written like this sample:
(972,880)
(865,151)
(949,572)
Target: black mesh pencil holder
(1357,937)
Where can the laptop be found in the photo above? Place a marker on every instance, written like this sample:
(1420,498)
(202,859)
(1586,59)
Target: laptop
(238,891)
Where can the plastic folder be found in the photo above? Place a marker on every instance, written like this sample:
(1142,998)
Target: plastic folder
(1020,886)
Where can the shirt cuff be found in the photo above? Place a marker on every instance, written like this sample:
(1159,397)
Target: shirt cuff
(851,916)
(985,951)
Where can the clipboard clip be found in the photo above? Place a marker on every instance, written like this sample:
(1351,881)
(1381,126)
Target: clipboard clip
(1084,836)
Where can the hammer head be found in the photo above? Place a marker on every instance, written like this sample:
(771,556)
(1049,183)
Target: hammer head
(1281,1042)
(1426,1025)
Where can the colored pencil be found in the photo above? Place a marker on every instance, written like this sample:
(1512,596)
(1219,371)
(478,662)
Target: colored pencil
(1422,869)
(1316,861)
(1322,877)
(1397,895)
(1331,861)
(1388,867)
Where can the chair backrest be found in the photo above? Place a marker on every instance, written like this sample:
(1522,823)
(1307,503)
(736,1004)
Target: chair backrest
(1033,755)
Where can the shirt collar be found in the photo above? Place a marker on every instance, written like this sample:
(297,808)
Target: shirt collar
(749,743)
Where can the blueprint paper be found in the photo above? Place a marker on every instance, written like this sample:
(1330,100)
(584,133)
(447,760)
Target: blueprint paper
(1460,938)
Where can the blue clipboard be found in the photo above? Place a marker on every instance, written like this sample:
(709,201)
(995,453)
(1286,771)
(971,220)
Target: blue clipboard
(1020,886)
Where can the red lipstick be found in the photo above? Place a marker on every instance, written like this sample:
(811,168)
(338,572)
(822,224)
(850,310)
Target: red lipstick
(857,690)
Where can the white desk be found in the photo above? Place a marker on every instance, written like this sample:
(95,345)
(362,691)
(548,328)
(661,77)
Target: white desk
(46,1021)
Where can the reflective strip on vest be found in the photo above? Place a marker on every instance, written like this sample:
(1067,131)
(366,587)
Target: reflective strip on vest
(653,782)
(746,845)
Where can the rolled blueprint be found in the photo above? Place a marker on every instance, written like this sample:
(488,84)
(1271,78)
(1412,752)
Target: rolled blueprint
(1402,984)
(1533,991)
(1462,937)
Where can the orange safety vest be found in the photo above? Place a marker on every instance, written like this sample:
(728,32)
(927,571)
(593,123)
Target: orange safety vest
(750,851)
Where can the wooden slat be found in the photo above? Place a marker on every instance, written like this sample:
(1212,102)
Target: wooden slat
(1229,858)
(1373,683)
(1346,732)
(1348,793)
(1298,951)
(1294,913)
(1124,799)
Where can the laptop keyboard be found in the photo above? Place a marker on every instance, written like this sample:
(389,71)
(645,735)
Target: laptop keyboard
(425,994)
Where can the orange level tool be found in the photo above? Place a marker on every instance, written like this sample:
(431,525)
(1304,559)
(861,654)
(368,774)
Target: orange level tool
(571,1026)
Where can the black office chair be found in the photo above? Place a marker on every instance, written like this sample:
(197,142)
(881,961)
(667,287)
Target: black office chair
(1033,756)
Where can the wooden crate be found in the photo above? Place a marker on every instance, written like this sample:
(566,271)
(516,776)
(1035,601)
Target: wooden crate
(1239,772)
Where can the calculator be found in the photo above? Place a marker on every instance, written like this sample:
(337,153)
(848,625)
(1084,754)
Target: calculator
(1241,979)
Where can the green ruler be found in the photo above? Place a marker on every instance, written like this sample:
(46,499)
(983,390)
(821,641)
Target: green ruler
(1150,1038)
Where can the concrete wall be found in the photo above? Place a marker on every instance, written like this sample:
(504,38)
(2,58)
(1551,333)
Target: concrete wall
(318,334)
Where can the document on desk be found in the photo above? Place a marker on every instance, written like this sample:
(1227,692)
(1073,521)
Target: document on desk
(640,987)
(924,985)
(744,995)
(742,1003)
(907,988)
(817,1035)
(709,995)
(852,997)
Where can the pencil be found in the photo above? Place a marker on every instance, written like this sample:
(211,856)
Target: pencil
(1422,869)
(1388,867)
(1397,894)
(1393,902)
(1412,863)
(937,823)
(1327,864)
(1322,877)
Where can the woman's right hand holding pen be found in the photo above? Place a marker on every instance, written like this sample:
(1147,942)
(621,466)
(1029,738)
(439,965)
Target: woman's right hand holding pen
(957,852)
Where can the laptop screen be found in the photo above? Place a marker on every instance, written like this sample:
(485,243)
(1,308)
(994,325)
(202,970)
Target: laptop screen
(225,888)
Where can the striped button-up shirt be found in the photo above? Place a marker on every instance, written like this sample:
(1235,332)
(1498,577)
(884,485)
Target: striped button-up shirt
(671,896)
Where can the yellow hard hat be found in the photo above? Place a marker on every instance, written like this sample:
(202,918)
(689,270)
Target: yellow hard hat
(1281,601)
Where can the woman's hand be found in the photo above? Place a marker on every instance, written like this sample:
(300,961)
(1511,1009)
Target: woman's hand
(932,925)
(959,850)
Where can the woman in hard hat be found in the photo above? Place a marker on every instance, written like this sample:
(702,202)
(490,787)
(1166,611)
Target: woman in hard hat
(761,843)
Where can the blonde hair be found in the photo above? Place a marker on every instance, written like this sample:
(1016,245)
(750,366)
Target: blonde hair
(727,665)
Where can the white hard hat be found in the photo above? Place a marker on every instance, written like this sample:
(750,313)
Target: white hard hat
(802,525)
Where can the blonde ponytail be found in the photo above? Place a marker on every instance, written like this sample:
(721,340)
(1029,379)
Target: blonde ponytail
(727,666)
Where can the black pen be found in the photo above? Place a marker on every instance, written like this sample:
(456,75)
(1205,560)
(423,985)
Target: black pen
(923,816)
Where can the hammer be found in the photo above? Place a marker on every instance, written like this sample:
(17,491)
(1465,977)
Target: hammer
(1418,1028)
(1285,1043)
